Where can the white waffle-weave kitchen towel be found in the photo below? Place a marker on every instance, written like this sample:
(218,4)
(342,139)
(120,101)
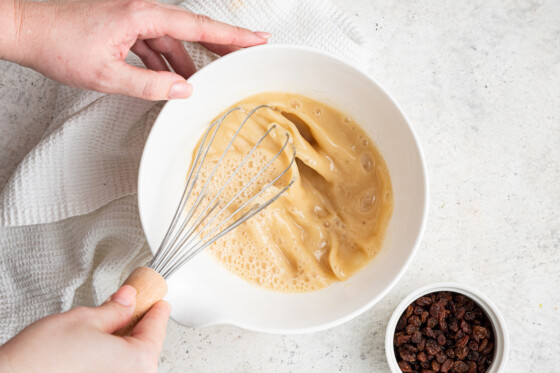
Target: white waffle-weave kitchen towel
(69,226)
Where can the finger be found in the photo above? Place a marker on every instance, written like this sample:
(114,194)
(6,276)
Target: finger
(184,25)
(151,329)
(148,84)
(117,311)
(219,49)
(175,54)
(152,60)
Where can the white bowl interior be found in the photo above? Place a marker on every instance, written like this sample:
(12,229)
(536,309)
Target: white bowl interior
(501,341)
(203,292)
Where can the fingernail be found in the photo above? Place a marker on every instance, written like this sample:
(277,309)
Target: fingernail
(180,89)
(125,296)
(262,34)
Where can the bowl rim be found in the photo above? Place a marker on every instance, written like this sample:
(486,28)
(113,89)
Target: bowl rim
(424,171)
(496,319)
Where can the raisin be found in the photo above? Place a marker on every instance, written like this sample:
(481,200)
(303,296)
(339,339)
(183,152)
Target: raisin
(441,357)
(432,347)
(488,348)
(462,342)
(465,327)
(472,355)
(470,316)
(460,313)
(473,346)
(436,310)
(411,348)
(446,296)
(421,357)
(472,367)
(482,345)
(405,367)
(442,326)
(432,322)
(441,340)
(446,366)
(459,298)
(460,367)
(481,360)
(418,310)
(453,325)
(479,332)
(401,338)
(414,320)
(407,355)
(424,316)
(408,311)
(461,352)
(489,332)
(435,366)
(452,306)
(422,344)
(450,353)
(401,323)
(429,332)
(416,337)
(424,301)
(410,329)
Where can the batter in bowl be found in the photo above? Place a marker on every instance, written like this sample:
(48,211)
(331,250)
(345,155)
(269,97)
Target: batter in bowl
(331,222)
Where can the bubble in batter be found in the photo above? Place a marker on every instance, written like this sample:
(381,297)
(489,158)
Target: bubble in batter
(366,161)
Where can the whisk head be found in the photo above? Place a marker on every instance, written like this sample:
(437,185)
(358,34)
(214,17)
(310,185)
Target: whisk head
(207,211)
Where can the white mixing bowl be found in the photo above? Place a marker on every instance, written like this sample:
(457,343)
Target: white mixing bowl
(203,292)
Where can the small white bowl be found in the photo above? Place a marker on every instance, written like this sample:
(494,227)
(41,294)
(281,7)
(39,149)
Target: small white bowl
(501,341)
(203,292)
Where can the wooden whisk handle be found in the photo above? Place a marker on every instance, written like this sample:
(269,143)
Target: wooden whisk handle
(150,287)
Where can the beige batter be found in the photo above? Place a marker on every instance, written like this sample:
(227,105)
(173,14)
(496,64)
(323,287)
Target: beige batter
(330,223)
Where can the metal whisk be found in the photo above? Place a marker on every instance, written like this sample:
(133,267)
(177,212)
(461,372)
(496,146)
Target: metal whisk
(189,234)
(184,239)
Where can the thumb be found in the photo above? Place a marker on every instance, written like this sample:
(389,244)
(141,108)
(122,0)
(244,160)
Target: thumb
(117,311)
(150,85)
(151,329)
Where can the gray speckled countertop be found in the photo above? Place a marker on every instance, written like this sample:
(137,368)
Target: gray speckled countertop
(480,82)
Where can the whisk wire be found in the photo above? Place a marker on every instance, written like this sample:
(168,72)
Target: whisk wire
(190,238)
(198,222)
(188,254)
(159,255)
(157,261)
(168,255)
(224,152)
(180,242)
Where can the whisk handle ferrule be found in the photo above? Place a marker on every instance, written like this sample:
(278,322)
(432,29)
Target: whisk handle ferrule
(150,287)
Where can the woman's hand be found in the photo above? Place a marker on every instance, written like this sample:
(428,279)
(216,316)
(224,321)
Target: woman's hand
(84,43)
(80,340)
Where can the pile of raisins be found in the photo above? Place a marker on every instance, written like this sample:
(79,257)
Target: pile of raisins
(444,332)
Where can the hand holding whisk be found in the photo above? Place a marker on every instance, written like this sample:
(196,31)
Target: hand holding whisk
(207,212)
